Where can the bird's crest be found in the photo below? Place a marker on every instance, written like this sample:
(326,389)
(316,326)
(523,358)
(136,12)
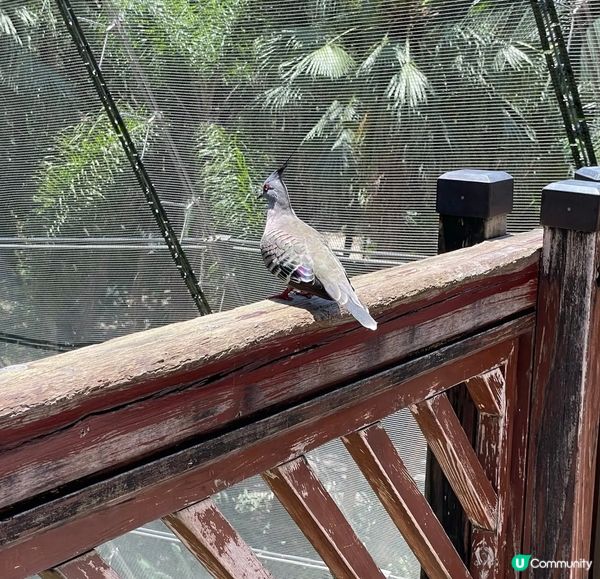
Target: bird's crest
(285,164)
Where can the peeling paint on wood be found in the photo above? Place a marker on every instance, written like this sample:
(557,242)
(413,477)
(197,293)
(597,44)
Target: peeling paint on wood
(376,456)
(565,399)
(452,449)
(87,566)
(215,543)
(138,406)
(99,441)
(320,519)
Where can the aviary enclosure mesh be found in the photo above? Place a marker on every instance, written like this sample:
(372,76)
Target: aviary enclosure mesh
(376,99)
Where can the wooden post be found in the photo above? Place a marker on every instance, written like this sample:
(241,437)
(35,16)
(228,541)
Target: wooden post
(473,206)
(566,391)
(593,174)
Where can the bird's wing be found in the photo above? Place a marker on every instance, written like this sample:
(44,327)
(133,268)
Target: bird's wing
(332,276)
(286,256)
(298,255)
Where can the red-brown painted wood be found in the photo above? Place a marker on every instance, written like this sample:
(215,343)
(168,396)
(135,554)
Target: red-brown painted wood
(376,456)
(518,479)
(66,526)
(565,401)
(487,391)
(129,398)
(214,542)
(320,519)
(87,566)
(455,455)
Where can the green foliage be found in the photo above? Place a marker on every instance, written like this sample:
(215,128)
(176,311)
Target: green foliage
(408,88)
(330,61)
(228,178)
(196,31)
(83,164)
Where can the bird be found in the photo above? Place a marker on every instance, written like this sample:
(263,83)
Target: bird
(297,254)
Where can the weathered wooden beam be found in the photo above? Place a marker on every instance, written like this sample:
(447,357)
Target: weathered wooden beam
(87,566)
(71,522)
(317,515)
(215,543)
(376,456)
(566,397)
(457,459)
(487,392)
(473,206)
(121,401)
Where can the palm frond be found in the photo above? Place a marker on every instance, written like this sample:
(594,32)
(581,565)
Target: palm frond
(409,87)
(8,28)
(330,61)
(280,97)
(367,64)
(511,56)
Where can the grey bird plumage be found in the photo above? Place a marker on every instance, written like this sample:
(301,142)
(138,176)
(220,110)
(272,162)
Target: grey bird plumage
(298,254)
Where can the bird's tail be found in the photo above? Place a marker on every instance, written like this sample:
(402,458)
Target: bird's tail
(361,313)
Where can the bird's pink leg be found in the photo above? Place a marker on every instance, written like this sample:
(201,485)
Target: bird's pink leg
(284,295)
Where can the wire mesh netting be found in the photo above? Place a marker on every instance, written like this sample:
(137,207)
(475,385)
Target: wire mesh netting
(375,100)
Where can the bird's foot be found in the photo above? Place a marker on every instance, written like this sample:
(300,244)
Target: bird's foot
(284,295)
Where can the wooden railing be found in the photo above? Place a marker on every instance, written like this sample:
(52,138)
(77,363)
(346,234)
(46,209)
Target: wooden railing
(97,442)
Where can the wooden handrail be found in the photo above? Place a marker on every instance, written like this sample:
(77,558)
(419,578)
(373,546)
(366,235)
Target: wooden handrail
(39,397)
(86,431)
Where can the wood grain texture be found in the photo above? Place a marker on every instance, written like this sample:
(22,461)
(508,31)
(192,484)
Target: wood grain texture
(487,391)
(87,566)
(67,524)
(215,543)
(565,400)
(126,368)
(457,232)
(122,401)
(455,455)
(376,456)
(320,519)
(518,465)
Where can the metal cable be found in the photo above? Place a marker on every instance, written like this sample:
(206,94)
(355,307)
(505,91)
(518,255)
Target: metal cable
(152,198)
(41,344)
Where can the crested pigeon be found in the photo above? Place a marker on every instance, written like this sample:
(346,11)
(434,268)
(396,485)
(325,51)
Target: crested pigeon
(298,254)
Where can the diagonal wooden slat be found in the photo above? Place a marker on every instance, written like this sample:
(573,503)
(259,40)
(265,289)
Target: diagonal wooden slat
(214,542)
(320,519)
(487,391)
(376,456)
(484,543)
(87,566)
(458,460)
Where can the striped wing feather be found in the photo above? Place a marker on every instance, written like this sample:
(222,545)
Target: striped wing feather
(297,254)
(288,258)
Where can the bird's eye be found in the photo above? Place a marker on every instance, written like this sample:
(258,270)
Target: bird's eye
(266,188)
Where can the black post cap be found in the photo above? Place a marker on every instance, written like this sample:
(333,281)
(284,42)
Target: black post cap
(572,204)
(474,193)
(588,174)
